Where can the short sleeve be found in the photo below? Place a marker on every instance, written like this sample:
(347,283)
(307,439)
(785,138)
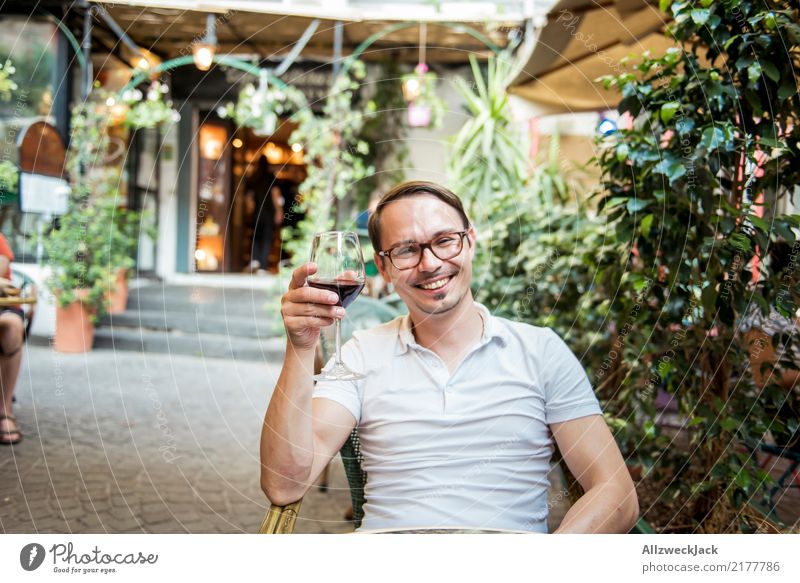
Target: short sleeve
(346,393)
(568,393)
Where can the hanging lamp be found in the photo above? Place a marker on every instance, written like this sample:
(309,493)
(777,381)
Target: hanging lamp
(203,51)
(417,85)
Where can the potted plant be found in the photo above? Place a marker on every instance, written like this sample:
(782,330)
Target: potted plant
(124,228)
(79,277)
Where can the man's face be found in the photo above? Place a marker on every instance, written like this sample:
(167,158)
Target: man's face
(419,219)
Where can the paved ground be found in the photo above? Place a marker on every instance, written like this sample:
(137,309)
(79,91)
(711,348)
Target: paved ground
(126,442)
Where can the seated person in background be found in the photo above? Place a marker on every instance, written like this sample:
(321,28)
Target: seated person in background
(459,412)
(764,357)
(12,333)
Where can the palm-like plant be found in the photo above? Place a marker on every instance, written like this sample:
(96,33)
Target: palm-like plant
(486,157)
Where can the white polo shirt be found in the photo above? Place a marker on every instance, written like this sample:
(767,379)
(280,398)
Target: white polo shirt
(468,449)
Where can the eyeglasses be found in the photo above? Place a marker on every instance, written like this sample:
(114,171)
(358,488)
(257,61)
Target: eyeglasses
(409,255)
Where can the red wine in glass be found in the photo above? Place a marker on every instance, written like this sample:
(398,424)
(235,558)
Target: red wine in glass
(346,289)
(340,269)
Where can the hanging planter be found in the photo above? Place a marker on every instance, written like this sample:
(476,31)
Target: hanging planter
(260,107)
(425,107)
(140,111)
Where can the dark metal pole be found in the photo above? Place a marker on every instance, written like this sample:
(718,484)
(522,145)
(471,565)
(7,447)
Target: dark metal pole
(86,45)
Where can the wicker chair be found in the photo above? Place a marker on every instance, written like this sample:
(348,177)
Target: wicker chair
(364,313)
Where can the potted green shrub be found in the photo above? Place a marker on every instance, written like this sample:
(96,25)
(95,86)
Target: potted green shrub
(92,251)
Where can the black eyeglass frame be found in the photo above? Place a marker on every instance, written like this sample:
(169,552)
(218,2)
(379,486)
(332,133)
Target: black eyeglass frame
(423,246)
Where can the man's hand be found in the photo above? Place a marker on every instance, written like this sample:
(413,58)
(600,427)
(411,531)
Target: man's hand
(305,310)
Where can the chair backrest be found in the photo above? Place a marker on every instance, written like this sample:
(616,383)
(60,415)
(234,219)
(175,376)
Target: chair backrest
(356,476)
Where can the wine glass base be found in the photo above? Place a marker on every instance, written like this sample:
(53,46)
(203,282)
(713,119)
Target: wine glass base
(339,373)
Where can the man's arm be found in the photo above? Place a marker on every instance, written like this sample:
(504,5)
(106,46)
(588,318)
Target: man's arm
(300,435)
(609,503)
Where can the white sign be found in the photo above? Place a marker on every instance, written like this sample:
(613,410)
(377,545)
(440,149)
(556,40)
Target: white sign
(43,194)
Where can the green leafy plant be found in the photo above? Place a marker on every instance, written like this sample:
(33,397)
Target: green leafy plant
(9,180)
(385,131)
(486,158)
(259,107)
(97,236)
(692,193)
(147,110)
(7,84)
(335,156)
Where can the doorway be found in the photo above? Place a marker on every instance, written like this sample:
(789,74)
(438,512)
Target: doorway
(246,196)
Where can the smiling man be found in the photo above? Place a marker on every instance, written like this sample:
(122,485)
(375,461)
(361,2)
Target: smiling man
(460,411)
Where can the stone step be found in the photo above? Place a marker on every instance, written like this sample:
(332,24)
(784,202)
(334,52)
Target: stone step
(205,301)
(203,345)
(257,325)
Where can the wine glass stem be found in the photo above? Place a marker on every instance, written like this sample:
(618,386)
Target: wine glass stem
(338,331)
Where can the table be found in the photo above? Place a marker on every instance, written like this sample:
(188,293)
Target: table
(443,530)
(16,301)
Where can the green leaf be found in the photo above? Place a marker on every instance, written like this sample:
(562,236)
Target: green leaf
(709,298)
(743,479)
(759,223)
(771,71)
(712,138)
(786,91)
(637,204)
(668,111)
(646,224)
(684,125)
(700,16)
(754,72)
(663,5)
(622,152)
(729,424)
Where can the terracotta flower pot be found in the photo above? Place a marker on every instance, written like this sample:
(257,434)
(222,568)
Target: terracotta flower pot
(74,328)
(118,299)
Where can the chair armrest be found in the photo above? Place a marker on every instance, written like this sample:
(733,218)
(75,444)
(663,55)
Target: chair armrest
(280,519)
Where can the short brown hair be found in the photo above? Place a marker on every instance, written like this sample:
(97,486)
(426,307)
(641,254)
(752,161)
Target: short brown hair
(407,190)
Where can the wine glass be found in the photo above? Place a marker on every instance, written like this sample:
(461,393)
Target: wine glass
(340,269)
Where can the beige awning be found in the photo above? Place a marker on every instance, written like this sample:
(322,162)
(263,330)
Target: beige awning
(168,27)
(586,40)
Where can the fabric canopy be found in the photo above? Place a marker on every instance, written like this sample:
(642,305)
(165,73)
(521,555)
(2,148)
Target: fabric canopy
(586,40)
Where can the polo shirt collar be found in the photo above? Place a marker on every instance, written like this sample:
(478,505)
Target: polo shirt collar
(492,329)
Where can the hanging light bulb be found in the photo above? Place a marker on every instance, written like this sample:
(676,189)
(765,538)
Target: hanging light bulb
(203,51)
(412,84)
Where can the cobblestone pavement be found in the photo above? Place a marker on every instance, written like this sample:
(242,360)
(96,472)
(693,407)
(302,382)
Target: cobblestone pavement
(126,443)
